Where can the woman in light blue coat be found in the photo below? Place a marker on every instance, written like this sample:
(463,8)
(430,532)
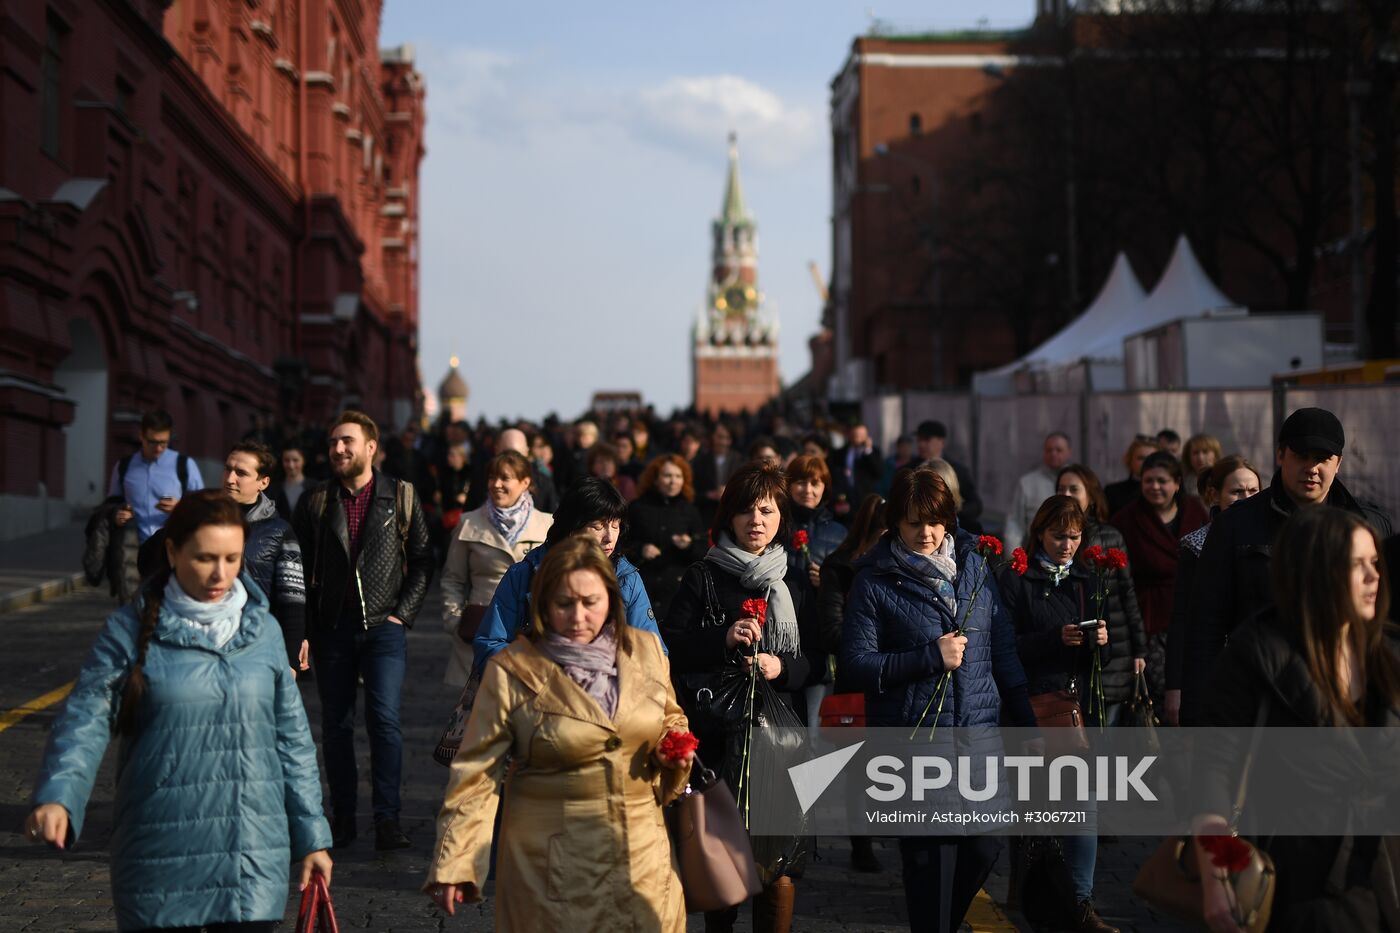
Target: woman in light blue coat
(217,786)
(593,507)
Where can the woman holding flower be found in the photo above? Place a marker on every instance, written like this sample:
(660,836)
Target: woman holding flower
(572,726)
(740,606)
(925,604)
(1324,656)
(1047,605)
(1127,640)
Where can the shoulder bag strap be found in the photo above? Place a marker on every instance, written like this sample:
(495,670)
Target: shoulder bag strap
(714,615)
(1255,736)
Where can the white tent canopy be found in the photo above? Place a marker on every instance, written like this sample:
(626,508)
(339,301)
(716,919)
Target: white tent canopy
(1121,293)
(1183,291)
(1095,338)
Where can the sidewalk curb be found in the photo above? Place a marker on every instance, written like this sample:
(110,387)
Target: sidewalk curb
(49,589)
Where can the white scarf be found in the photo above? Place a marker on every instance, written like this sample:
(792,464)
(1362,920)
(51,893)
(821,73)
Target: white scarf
(763,572)
(213,623)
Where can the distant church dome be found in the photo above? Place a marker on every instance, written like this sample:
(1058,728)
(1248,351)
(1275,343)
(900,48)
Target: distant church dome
(453,387)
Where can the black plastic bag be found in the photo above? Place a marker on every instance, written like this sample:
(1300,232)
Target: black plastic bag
(747,704)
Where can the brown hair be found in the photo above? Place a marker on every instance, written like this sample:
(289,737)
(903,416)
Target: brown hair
(366,423)
(602,450)
(649,475)
(577,552)
(194,511)
(1058,513)
(261,452)
(1204,441)
(920,492)
(752,483)
(1311,567)
(509,460)
(809,467)
(1142,440)
(1098,502)
(1215,476)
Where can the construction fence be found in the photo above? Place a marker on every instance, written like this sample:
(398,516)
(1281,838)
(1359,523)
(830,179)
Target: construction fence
(1000,437)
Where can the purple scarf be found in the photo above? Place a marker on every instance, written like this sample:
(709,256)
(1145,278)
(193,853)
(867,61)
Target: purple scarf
(592,666)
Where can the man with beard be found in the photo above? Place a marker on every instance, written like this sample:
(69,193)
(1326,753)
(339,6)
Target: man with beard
(368,562)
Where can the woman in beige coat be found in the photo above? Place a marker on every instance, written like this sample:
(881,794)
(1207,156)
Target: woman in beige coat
(484,546)
(566,727)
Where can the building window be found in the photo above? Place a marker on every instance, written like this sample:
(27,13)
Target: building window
(51,85)
(916,125)
(124,92)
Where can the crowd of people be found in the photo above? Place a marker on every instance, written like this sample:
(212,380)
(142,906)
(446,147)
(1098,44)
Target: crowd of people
(598,580)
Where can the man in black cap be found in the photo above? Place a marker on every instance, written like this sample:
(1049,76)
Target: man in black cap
(931,437)
(1232,573)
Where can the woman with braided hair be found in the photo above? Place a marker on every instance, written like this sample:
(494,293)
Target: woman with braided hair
(217,786)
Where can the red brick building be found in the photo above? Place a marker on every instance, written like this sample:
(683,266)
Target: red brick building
(735,345)
(984,182)
(208,206)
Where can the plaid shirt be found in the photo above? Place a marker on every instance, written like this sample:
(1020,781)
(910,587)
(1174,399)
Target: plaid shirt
(356,508)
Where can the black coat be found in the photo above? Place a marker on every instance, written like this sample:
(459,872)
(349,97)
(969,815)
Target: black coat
(696,648)
(111,551)
(1232,576)
(1126,638)
(866,472)
(1039,610)
(393,573)
(655,519)
(1264,661)
(1121,493)
(838,574)
(824,536)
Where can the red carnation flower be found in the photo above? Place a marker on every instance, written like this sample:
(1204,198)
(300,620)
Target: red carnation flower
(989,546)
(1117,560)
(1093,553)
(1019,561)
(799,540)
(756,609)
(674,746)
(1228,852)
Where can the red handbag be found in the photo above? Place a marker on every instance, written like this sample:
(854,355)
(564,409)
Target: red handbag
(843,709)
(316,914)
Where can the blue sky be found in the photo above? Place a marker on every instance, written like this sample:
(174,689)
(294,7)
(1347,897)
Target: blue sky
(576,156)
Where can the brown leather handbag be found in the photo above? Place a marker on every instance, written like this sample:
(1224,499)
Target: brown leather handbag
(1061,721)
(713,851)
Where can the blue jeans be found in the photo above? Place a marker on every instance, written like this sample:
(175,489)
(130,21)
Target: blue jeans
(379,655)
(1082,854)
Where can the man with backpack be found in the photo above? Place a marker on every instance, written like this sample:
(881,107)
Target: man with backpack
(152,480)
(368,560)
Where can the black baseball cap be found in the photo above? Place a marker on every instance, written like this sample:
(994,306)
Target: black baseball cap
(929,429)
(1313,429)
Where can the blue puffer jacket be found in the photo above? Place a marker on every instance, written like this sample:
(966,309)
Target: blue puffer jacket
(217,792)
(506,614)
(888,645)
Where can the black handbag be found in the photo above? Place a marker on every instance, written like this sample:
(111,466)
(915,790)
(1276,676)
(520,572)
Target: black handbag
(1138,714)
(697,691)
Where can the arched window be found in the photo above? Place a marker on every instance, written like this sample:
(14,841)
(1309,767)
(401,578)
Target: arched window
(916,125)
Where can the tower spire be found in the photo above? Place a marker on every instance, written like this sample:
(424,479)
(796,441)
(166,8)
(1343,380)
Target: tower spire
(734,211)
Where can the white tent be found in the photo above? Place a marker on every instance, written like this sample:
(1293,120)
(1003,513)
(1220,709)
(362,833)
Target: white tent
(1183,291)
(1088,353)
(1120,295)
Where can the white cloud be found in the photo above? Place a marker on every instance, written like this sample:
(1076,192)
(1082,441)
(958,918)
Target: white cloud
(693,113)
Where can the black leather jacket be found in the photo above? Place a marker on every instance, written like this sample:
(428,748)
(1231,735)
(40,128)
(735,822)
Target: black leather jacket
(389,579)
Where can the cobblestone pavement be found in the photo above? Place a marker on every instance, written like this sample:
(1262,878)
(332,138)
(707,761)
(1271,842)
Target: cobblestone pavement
(41,890)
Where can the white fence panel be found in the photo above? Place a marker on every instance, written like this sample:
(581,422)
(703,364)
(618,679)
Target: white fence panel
(955,411)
